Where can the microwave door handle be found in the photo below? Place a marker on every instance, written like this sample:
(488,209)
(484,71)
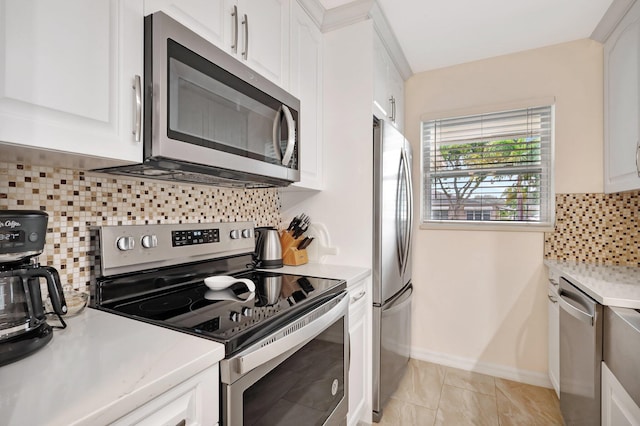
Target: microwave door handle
(276,136)
(291,139)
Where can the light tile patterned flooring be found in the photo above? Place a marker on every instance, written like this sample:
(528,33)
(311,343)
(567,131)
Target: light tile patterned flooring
(431,394)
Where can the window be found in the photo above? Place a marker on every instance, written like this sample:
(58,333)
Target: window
(490,168)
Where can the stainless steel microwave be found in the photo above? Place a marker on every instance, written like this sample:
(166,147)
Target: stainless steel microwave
(210,119)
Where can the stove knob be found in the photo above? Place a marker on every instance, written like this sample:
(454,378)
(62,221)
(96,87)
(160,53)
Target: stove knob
(247,312)
(234,316)
(149,241)
(235,234)
(125,243)
(247,233)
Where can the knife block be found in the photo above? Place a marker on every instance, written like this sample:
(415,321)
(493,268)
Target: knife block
(291,256)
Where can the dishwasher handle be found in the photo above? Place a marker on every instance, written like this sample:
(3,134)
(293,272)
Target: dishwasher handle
(574,311)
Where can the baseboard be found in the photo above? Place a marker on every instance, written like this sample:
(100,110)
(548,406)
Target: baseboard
(517,375)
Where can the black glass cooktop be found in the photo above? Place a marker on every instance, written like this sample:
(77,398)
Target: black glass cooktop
(234,316)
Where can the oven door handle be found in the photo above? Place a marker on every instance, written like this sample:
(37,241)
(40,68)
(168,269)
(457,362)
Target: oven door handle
(254,358)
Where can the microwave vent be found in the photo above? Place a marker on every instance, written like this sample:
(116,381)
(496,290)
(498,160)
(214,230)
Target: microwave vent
(176,171)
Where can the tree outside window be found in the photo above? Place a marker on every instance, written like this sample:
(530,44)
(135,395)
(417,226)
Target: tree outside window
(496,164)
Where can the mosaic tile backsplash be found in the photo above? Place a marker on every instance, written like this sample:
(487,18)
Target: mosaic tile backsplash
(76,200)
(596,228)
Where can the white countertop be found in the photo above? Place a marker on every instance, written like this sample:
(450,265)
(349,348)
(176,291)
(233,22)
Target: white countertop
(99,368)
(351,274)
(608,285)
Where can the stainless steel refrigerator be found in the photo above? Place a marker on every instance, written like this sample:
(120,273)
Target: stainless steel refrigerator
(392,288)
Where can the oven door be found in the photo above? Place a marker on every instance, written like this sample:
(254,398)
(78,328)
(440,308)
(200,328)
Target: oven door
(297,374)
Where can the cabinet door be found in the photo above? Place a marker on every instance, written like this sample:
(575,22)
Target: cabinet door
(212,19)
(306,84)
(381,91)
(618,408)
(193,402)
(622,105)
(68,76)
(396,83)
(360,344)
(554,337)
(264,37)
(388,90)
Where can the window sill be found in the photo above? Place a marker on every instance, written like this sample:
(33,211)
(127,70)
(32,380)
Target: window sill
(482,226)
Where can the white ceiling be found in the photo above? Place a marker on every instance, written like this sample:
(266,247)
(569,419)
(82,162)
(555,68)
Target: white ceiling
(439,33)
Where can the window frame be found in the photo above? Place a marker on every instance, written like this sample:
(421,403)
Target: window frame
(458,224)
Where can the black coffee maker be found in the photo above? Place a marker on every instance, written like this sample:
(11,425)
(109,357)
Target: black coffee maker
(23,326)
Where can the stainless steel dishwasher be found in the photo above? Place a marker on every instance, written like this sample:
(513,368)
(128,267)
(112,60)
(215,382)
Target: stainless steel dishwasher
(580,356)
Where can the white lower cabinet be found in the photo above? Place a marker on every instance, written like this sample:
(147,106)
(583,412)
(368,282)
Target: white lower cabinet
(360,344)
(554,331)
(71,79)
(618,408)
(194,402)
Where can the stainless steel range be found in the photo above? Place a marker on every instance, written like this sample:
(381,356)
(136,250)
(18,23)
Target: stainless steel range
(286,336)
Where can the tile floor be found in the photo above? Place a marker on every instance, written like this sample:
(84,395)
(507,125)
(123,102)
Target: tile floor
(431,394)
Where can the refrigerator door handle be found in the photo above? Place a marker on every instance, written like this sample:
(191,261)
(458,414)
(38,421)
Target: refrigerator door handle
(400,237)
(409,207)
(400,302)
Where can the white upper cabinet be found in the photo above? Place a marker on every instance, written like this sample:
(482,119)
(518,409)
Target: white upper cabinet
(622,105)
(306,85)
(264,38)
(211,19)
(70,74)
(388,90)
(254,31)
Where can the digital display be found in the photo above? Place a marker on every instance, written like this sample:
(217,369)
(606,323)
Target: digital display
(12,237)
(195,236)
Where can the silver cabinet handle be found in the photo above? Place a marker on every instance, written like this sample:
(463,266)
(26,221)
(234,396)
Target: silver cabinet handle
(394,109)
(358,296)
(234,21)
(245,22)
(137,126)
(554,282)
(579,314)
(392,102)
(552,299)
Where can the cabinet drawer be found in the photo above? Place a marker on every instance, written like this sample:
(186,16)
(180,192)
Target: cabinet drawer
(193,402)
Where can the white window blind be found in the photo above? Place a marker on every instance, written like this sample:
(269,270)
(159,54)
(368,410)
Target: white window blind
(489,168)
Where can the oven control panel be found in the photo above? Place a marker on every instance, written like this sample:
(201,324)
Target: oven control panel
(190,237)
(131,248)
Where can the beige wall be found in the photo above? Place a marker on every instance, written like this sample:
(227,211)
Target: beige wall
(481,295)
